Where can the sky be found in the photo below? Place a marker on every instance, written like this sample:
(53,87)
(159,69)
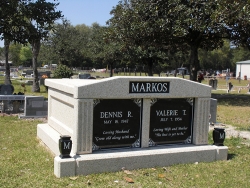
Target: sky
(85,11)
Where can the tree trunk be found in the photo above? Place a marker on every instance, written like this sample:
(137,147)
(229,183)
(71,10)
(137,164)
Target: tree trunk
(194,63)
(7,65)
(35,51)
(150,67)
(111,70)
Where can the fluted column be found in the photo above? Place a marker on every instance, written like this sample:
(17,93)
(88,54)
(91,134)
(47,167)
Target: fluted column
(83,130)
(201,121)
(145,123)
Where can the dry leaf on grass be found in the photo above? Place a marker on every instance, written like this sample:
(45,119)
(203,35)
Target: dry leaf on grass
(129,180)
(165,169)
(127,172)
(88,182)
(161,175)
(168,179)
(73,178)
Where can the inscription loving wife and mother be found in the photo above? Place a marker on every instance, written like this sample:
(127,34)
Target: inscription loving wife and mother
(171,121)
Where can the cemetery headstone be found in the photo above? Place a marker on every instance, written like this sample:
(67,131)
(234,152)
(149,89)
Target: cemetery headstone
(48,73)
(35,107)
(213,111)
(41,81)
(6,89)
(213,83)
(133,122)
(230,86)
(29,72)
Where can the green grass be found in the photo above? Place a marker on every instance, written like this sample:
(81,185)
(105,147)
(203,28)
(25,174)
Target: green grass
(234,111)
(26,163)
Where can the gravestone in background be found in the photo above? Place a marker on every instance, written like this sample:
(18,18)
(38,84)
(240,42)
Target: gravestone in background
(41,81)
(28,72)
(116,123)
(35,106)
(213,110)
(6,89)
(48,73)
(171,121)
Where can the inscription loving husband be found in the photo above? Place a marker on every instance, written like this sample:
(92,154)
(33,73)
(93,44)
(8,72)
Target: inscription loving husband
(116,124)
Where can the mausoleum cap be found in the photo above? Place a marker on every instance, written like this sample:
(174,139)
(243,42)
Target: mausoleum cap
(131,87)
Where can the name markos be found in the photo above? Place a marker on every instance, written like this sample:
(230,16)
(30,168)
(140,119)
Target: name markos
(149,87)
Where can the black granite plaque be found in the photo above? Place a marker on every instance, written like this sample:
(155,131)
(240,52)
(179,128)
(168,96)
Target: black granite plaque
(117,123)
(149,87)
(170,121)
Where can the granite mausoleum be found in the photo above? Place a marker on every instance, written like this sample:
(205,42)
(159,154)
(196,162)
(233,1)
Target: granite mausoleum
(131,122)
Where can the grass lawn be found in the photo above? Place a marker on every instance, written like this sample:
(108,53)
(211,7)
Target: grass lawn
(235,111)
(25,162)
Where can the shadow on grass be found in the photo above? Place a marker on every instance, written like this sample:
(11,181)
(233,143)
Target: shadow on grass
(230,156)
(232,99)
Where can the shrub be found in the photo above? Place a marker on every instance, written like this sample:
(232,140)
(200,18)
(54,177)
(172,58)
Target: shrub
(62,71)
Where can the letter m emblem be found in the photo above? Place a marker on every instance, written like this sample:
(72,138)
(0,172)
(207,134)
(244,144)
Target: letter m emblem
(66,145)
(222,135)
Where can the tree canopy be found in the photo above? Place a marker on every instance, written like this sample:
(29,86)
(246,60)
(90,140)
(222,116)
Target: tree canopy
(65,43)
(26,21)
(154,34)
(160,26)
(12,20)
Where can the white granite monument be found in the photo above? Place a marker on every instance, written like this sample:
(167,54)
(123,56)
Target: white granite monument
(131,122)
